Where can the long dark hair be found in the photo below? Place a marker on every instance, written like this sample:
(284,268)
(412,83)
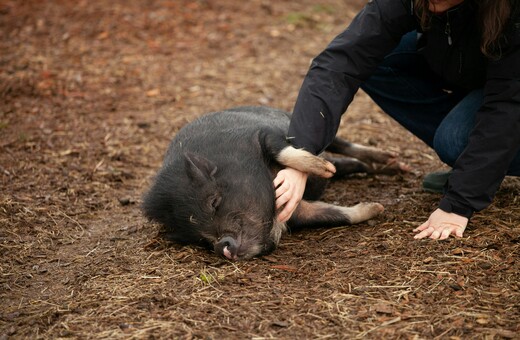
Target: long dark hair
(493,16)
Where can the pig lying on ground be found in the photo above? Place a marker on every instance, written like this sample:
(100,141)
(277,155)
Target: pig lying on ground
(215,186)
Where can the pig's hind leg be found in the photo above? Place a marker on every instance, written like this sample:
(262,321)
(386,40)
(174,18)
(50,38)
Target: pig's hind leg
(360,158)
(321,214)
(348,165)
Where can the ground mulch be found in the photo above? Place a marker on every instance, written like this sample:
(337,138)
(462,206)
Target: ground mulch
(91,92)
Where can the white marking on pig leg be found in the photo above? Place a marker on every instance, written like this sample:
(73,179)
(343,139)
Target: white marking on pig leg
(323,213)
(362,211)
(305,161)
(368,153)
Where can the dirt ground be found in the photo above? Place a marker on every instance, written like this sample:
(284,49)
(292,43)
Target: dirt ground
(91,92)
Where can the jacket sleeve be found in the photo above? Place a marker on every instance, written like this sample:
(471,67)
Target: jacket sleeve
(336,74)
(495,140)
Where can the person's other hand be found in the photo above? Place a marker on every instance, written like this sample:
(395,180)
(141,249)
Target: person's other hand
(441,225)
(289,186)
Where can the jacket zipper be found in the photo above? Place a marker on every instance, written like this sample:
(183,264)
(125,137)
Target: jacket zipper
(447,29)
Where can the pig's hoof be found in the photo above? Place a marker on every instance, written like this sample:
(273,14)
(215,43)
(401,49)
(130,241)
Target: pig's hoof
(324,168)
(393,167)
(382,156)
(365,211)
(371,207)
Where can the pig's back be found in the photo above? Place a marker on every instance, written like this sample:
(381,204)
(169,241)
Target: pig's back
(228,132)
(246,118)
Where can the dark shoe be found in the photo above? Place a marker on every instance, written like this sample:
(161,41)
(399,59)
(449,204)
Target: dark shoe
(434,182)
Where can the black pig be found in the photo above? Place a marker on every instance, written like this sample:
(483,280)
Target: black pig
(215,186)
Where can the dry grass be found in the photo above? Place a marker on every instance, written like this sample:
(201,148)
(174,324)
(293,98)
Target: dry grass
(91,95)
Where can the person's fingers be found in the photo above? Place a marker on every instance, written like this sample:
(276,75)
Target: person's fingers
(280,190)
(422,226)
(278,180)
(285,214)
(445,234)
(289,185)
(435,234)
(282,199)
(459,232)
(440,232)
(291,207)
(440,225)
(289,200)
(425,233)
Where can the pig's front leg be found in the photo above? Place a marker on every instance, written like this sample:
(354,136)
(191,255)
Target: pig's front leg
(305,161)
(274,144)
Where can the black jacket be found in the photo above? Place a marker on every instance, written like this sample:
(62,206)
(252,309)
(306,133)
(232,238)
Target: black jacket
(336,74)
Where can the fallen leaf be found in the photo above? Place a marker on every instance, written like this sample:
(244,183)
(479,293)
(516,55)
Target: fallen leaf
(428,260)
(482,321)
(102,35)
(153,93)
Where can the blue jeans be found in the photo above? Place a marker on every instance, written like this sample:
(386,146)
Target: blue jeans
(405,88)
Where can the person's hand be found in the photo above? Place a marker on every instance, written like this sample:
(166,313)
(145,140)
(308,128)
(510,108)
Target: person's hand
(441,225)
(289,186)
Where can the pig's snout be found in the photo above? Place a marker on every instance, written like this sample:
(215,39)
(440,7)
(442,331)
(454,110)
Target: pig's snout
(227,246)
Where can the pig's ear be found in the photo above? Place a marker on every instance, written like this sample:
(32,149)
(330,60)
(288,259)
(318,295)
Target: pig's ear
(198,168)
